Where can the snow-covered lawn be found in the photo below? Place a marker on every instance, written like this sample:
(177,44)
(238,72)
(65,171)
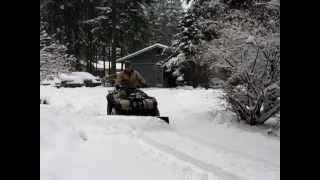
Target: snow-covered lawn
(78,141)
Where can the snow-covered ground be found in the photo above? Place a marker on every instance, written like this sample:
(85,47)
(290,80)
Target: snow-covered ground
(78,141)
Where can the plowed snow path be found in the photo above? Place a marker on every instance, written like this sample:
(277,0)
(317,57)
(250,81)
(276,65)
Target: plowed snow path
(79,142)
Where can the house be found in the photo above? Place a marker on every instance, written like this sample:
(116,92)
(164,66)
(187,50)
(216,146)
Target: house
(145,61)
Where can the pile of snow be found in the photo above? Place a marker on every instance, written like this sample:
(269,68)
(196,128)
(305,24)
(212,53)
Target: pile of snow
(50,80)
(203,141)
(78,77)
(71,78)
(86,76)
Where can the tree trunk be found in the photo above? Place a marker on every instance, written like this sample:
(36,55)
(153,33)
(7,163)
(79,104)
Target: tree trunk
(96,59)
(113,38)
(87,59)
(109,61)
(269,114)
(104,61)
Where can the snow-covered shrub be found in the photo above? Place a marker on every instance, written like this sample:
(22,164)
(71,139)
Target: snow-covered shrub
(253,92)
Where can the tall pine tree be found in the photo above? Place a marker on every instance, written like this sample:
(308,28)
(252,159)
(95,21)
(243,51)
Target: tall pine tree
(164,19)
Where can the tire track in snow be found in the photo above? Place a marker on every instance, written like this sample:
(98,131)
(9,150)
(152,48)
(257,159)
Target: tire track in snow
(221,165)
(188,165)
(210,144)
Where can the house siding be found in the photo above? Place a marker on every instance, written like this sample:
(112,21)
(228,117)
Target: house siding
(145,64)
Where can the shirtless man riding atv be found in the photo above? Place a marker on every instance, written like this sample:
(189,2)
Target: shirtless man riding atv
(129,80)
(127,99)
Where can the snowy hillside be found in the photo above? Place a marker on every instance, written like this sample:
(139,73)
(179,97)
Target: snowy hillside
(78,141)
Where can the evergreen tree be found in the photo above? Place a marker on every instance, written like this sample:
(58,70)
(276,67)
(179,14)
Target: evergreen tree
(189,35)
(164,19)
(87,27)
(54,58)
(126,24)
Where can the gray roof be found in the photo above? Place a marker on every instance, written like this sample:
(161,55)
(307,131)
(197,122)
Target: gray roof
(142,51)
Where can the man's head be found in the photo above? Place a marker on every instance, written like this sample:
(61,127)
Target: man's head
(128,66)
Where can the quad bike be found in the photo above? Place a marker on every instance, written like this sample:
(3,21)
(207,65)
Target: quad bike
(126,101)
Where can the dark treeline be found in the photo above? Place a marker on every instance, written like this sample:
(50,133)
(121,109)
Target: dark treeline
(108,29)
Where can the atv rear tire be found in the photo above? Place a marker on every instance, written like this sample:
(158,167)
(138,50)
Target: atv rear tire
(109,108)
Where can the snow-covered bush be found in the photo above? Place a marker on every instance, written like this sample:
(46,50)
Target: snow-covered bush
(253,92)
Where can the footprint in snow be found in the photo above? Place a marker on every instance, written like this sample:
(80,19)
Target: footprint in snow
(83,135)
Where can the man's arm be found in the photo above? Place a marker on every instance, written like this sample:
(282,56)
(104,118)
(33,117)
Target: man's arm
(118,81)
(140,79)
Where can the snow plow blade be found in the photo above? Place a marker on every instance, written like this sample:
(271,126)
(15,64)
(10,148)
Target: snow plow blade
(165,119)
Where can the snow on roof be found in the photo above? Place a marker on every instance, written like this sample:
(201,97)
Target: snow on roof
(142,51)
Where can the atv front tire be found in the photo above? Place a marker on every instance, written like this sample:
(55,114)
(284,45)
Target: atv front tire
(113,111)
(155,112)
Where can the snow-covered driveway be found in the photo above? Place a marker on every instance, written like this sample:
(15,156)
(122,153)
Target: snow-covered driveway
(79,142)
